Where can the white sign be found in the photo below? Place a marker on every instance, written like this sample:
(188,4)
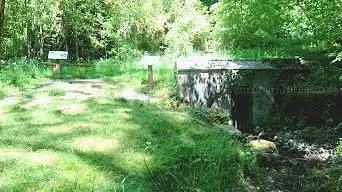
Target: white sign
(150,60)
(56,55)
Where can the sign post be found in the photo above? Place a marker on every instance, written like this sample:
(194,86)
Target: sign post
(57,55)
(150,76)
(150,61)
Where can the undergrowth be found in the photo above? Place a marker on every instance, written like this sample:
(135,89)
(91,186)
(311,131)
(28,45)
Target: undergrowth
(20,73)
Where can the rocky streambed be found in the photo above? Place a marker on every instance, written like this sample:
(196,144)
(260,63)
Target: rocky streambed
(286,162)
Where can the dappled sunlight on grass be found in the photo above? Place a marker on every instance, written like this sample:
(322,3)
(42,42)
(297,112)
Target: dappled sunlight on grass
(72,109)
(130,94)
(40,117)
(49,171)
(32,158)
(8,101)
(180,116)
(134,161)
(105,143)
(40,100)
(94,144)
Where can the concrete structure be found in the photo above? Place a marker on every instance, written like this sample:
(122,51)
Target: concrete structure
(243,88)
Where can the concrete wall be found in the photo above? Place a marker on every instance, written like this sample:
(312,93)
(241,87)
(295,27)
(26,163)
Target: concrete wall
(245,94)
(263,100)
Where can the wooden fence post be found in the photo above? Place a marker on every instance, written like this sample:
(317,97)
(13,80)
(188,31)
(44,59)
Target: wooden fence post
(150,76)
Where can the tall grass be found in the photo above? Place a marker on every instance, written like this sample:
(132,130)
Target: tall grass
(99,69)
(20,73)
(215,162)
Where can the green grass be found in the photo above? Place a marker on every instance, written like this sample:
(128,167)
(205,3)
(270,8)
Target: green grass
(114,144)
(56,92)
(21,73)
(2,94)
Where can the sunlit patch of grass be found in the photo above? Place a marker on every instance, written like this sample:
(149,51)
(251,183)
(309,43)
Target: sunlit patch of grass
(94,144)
(134,161)
(42,117)
(71,109)
(50,171)
(8,102)
(180,116)
(40,100)
(32,158)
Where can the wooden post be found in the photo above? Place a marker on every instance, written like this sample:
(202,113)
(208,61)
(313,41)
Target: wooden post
(150,76)
(56,69)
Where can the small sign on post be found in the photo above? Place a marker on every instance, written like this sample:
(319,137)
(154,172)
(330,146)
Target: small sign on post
(57,55)
(150,61)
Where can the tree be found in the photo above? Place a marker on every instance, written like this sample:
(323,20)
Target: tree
(2,18)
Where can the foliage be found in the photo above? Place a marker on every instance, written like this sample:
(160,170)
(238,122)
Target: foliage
(103,29)
(211,115)
(87,29)
(311,94)
(339,148)
(20,73)
(293,25)
(189,32)
(91,30)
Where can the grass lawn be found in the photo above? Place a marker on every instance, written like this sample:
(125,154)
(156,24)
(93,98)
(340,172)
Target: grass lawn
(88,135)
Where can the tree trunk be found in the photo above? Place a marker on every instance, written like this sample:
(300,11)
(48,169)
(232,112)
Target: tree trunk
(28,29)
(2,18)
(41,42)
